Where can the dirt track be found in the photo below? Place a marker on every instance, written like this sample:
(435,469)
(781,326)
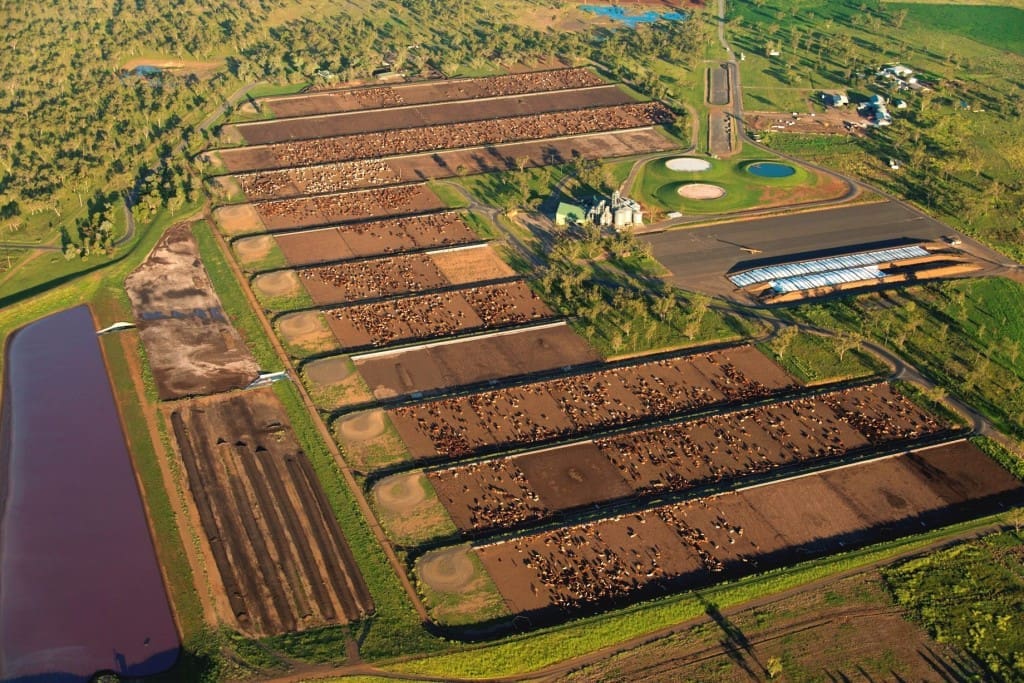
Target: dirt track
(191,346)
(281,555)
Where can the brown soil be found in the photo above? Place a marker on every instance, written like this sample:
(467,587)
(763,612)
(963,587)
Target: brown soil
(848,630)
(438,314)
(238,219)
(697,542)
(253,249)
(400,493)
(401,274)
(429,91)
(328,370)
(830,121)
(474,264)
(283,214)
(351,175)
(432,114)
(278,283)
(465,362)
(559,408)
(676,457)
(204,69)
(449,136)
(368,441)
(191,346)
(306,330)
(375,238)
(279,550)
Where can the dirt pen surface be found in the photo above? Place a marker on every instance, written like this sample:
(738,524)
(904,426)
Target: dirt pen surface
(470,361)
(697,542)
(191,346)
(375,238)
(238,219)
(355,99)
(352,175)
(429,114)
(558,408)
(678,456)
(449,136)
(301,212)
(434,315)
(402,274)
(281,555)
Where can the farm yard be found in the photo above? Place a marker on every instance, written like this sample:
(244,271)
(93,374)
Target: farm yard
(445,112)
(351,175)
(382,97)
(506,491)
(369,239)
(557,408)
(693,543)
(282,559)
(436,314)
(467,409)
(448,136)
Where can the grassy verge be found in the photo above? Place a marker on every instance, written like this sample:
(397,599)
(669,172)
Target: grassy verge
(521,654)
(814,359)
(395,628)
(447,194)
(1013,463)
(232,298)
(481,225)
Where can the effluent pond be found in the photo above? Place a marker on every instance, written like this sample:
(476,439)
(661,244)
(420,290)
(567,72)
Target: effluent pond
(771,169)
(80,587)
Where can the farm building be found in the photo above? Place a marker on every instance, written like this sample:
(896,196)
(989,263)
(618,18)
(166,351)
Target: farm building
(834,99)
(566,213)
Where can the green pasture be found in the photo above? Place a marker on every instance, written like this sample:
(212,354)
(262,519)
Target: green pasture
(999,27)
(658,185)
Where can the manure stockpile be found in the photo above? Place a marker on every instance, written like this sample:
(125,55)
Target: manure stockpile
(281,556)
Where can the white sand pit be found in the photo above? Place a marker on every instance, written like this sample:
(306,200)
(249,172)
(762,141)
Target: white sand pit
(688,164)
(279,283)
(701,191)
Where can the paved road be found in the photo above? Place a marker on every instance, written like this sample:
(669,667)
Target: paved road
(699,258)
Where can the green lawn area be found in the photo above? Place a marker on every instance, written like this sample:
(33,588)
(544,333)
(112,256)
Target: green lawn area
(658,186)
(967,335)
(998,27)
(816,359)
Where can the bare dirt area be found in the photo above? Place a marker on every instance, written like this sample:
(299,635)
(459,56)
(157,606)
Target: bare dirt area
(402,274)
(306,332)
(276,543)
(466,362)
(356,99)
(430,114)
(301,212)
(351,175)
(679,456)
(280,283)
(375,238)
(720,133)
(701,541)
(837,121)
(406,509)
(238,219)
(558,408)
(253,249)
(848,630)
(718,85)
(438,314)
(449,136)
(191,345)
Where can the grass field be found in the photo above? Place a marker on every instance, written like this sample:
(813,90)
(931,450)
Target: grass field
(658,184)
(971,595)
(815,359)
(1000,27)
(968,335)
